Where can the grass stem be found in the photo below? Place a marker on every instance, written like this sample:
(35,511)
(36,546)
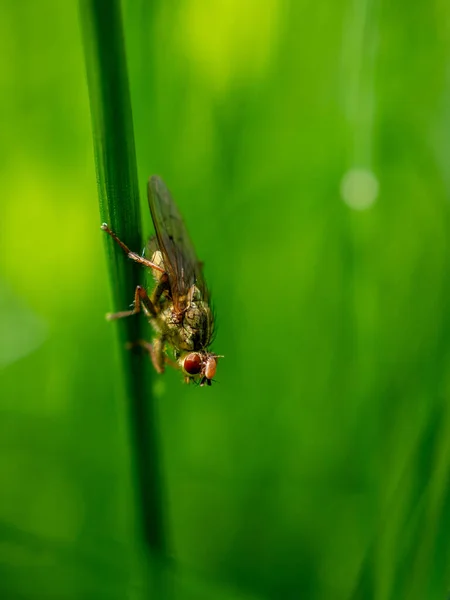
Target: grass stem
(118,192)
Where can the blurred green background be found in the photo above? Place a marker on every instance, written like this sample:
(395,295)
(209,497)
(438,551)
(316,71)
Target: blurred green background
(307,145)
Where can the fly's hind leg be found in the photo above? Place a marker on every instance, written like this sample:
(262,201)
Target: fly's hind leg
(141,300)
(136,257)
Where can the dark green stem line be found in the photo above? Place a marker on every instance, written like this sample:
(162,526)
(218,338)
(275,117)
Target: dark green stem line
(118,192)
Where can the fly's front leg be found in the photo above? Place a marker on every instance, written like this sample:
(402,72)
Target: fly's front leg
(136,257)
(141,299)
(156,351)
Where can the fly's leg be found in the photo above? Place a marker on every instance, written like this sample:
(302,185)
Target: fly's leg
(156,351)
(161,277)
(161,287)
(141,300)
(171,363)
(136,257)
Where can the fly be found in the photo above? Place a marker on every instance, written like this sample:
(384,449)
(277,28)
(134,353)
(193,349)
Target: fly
(178,308)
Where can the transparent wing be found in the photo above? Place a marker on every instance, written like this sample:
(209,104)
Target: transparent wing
(180,261)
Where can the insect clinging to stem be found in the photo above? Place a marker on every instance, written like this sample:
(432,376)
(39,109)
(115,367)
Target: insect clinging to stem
(178,308)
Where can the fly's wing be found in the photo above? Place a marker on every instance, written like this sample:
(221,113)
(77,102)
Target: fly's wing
(180,261)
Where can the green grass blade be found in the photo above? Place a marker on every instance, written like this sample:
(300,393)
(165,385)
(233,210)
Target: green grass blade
(118,192)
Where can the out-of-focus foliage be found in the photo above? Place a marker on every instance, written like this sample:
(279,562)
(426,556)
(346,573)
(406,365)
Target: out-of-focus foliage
(307,146)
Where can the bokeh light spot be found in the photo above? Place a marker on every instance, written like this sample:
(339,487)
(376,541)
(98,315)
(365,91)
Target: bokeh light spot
(359,188)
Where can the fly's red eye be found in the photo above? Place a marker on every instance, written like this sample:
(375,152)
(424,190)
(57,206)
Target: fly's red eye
(192,364)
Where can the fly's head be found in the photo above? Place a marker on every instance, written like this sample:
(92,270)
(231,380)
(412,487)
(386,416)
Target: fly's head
(199,366)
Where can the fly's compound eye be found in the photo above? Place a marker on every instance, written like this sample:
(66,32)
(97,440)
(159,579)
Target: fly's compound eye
(192,364)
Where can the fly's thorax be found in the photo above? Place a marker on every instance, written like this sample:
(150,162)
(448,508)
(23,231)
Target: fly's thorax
(190,328)
(198,318)
(197,315)
(179,335)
